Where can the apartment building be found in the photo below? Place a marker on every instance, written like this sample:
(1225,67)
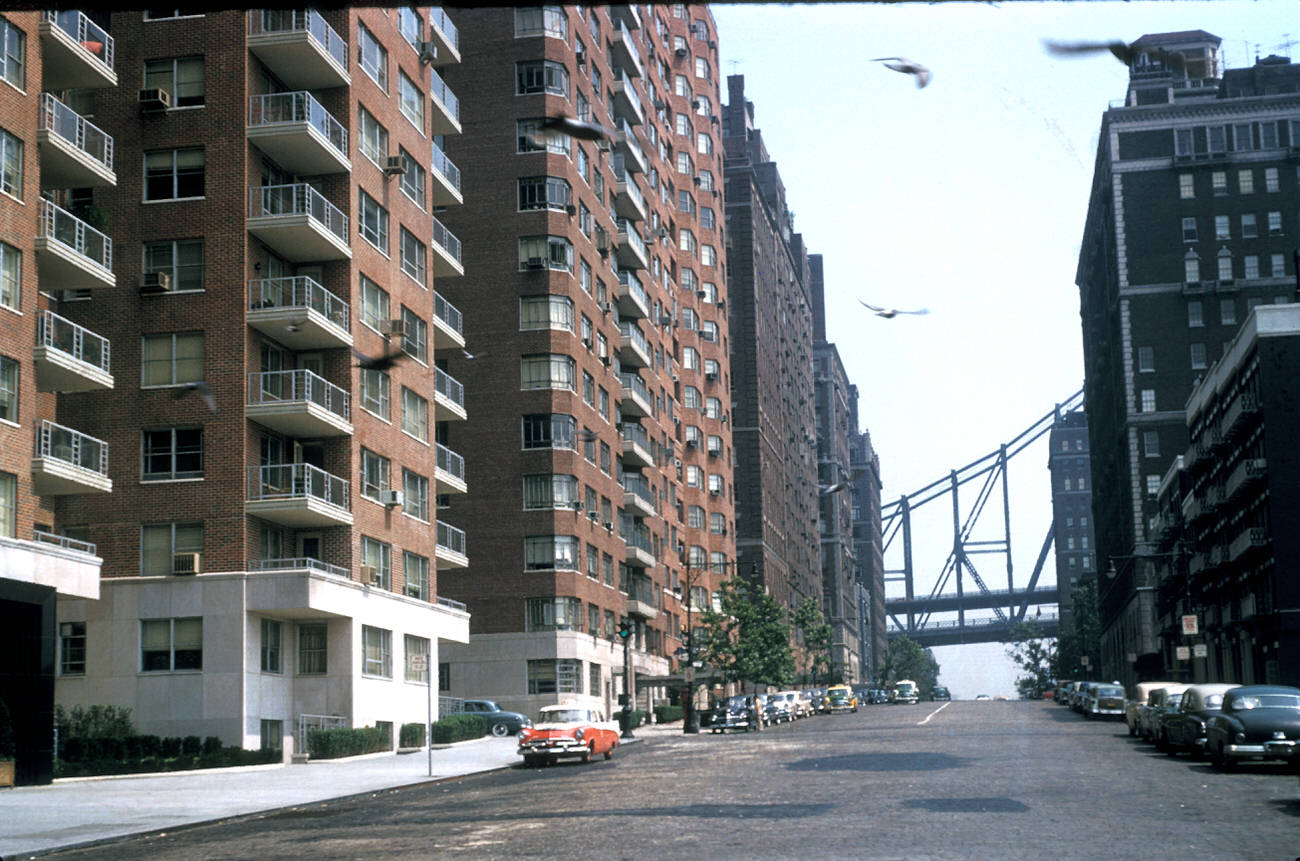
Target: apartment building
(1072,537)
(597,338)
(868,550)
(229,209)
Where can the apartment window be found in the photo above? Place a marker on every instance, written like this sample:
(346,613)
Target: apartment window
(702,68)
(549,490)
(1224,261)
(375,392)
(1150,445)
(444,677)
(712,408)
(378,555)
(707,219)
(415,571)
(1274,224)
(1191,268)
(1248,228)
(373,223)
(686,240)
(554,252)
(373,138)
(72,648)
(174,174)
(552,371)
(544,192)
(11,164)
(171,359)
(415,415)
(604,403)
(1277,268)
(410,25)
(1228,311)
(415,495)
(168,645)
(312,649)
(11,274)
(1250,266)
(1246,181)
(708,255)
(694,476)
(374,304)
(417,646)
(1221,228)
(585,221)
(541,21)
(715,484)
(546,312)
(1198,356)
(271,647)
(375,471)
(413,179)
(541,76)
(415,336)
(181,259)
(549,430)
(173,453)
(1148,400)
(272,734)
(703,143)
(1153,485)
(1219,182)
(588,389)
(374,57)
(1186,189)
(706,180)
(13,50)
(410,101)
(1270,179)
(531,138)
(8,389)
(683,125)
(377,652)
(547,552)
(180,77)
(555,676)
(690,398)
(1189,229)
(1194,317)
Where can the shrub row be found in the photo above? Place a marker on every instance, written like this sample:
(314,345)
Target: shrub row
(220,758)
(459,727)
(333,743)
(76,749)
(411,735)
(667,713)
(637,717)
(93,722)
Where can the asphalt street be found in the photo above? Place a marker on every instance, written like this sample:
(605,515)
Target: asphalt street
(987,780)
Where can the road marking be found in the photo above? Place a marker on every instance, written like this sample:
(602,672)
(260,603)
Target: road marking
(933,713)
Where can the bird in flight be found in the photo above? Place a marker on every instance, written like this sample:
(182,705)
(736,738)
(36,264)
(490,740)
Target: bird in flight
(890,313)
(907,67)
(203,390)
(579,129)
(1125,52)
(828,489)
(378,363)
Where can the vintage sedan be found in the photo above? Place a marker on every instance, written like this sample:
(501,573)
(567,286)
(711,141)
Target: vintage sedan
(1184,728)
(840,698)
(500,723)
(733,713)
(1103,700)
(1160,702)
(1134,705)
(1256,722)
(568,731)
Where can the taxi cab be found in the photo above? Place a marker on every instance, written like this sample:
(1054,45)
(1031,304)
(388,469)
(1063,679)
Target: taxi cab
(568,730)
(841,699)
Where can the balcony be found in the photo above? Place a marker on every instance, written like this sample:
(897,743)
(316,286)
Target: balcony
(69,358)
(74,152)
(447,332)
(1248,472)
(299,404)
(299,563)
(631,253)
(446,180)
(68,566)
(633,302)
(1248,542)
(298,133)
(298,495)
(636,445)
(626,55)
(75,52)
(640,550)
(633,348)
(627,104)
(444,35)
(445,117)
(1237,417)
(638,494)
(70,254)
(299,313)
(69,462)
(446,252)
(628,201)
(298,223)
(448,397)
(634,397)
(628,155)
(449,471)
(627,14)
(299,47)
(641,598)
(1192,508)
(449,552)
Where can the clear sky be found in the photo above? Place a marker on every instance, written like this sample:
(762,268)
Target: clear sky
(968,198)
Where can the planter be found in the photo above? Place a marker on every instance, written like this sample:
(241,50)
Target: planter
(6,773)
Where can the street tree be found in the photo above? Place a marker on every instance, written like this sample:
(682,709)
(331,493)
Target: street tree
(1083,638)
(907,659)
(1036,655)
(808,619)
(747,638)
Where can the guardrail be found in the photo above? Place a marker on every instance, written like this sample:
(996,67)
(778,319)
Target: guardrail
(298,291)
(439,91)
(297,199)
(286,20)
(43,537)
(449,387)
(450,462)
(447,313)
(298,563)
(71,446)
(63,121)
(274,109)
(445,167)
(451,538)
(297,481)
(438,18)
(70,339)
(65,228)
(268,387)
(445,239)
(92,37)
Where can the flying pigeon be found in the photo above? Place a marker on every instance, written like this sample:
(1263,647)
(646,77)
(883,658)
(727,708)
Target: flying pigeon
(203,390)
(1125,52)
(378,363)
(907,67)
(828,489)
(579,129)
(890,313)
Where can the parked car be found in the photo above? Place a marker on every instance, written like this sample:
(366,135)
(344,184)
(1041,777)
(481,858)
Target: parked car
(1161,701)
(940,693)
(820,702)
(1079,695)
(879,696)
(568,731)
(500,723)
(840,698)
(1255,722)
(983,698)
(1103,700)
(802,704)
(1133,705)
(733,713)
(778,709)
(1184,728)
(815,697)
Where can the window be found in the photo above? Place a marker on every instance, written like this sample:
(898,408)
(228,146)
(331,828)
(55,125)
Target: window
(539,252)
(541,21)
(375,469)
(1198,356)
(702,68)
(13,51)
(604,403)
(682,86)
(694,476)
(11,164)
(1250,265)
(1189,229)
(415,336)
(546,312)
(555,676)
(171,644)
(1148,400)
(549,430)
(1228,312)
(1248,228)
(378,555)
(413,179)
(180,77)
(173,174)
(706,180)
(1221,229)
(410,101)
(375,392)
(1186,189)
(272,734)
(547,552)
(413,256)
(171,359)
(1270,178)
(531,138)
(417,646)
(690,398)
(373,223)
(374,304)
(708,255)
(377,654)
(686,240)
(1277,267)
(1219,182)
(11,273)
(181,259)
(271,649)
(703,143)
(8,389)
(707,220)
(588,389)
(548,372)
(717,524)
(415,571)
(72,648)
(1274,223)
(1191,268)
(373,138)
(410,25)
(174,453)
(415,415)
(541,76)
(415,495)
(1224,261)
(1194,318)
(1150,444)
(1153,485)
(1246,181)
(549,491)
(374,58)
(544,192)
(312,648)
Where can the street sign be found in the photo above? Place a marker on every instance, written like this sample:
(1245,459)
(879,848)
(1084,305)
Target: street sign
(1200,650)
(1183,653)
(418,663)
(1132,657)
(1190,627)
(1083,660)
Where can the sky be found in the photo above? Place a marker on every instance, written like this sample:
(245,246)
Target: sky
(967,198)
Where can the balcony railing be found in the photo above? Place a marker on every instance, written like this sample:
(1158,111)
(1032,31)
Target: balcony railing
(65,444)
(633,237)
(298,563)
(451,538)
(446,240)
(68,230)
(72,340)
(445,168)
(633,432)
(64,542)
(634,334)
(299,385)
(450,462)
(447,313)
(449,387)
(643,590)
(639,486)
(636,384)
(298,291)
(297,199)
(299,107)
(59,119)
(309,20)
(442,95)
(438,18)
(638,538)
(297,481)
(84,32)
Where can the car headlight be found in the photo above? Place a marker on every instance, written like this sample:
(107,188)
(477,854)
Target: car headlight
(1240,738)
(577,736)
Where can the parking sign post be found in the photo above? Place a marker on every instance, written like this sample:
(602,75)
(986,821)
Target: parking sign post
(420,664)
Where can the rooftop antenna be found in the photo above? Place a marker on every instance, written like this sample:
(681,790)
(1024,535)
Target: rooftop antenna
(734,64)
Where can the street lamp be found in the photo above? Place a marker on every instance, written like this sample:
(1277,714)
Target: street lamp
(690,718)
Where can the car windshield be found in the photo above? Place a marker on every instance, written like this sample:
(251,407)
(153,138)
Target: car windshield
(1267,701)
(1213,701)
(1172,700)
(563,715)
(1110,692)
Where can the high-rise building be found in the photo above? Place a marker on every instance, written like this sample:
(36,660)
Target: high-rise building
(596,300)
(1071,477)
(226,205)
(868,550)
(1191,223)
(777,510)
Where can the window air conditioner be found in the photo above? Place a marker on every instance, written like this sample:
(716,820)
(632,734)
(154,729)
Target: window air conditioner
(711,375)
(428,52)
(370,575)
(571,209)
(715,452)
(394,328)
(609,526)
(594,515)
(392,497)
(692,443)
(187,563)
(700,294)
(715,492)
(155,282)
(577,505)
(607,307)
(394,164)
(680,52)
(155,100)
(606,360)
(535,263)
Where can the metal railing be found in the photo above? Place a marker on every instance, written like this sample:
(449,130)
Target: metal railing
(450,462)
(447,313)
(297,481)
(450,604)
(640,486)
(442,95)
(63,121)
(621,31)
(628,229)
(43,537)
(274,109)
(633,432)
(449,387)
(627,278)
(445,168)
(297,563)
(288,20)
(641,589)
(85,32)
(297,199)
(268,387)
(629,139)
(638,538)
(438,18)
(636,336)
(451,538)
(636,384)
(70,446)
(70,339)
(298,291)
(629,185)
(64,227)
(445,239)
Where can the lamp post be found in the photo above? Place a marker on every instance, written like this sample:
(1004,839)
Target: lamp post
(690,717)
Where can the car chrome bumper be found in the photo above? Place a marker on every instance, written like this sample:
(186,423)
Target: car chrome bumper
(1281,748)
(570,748)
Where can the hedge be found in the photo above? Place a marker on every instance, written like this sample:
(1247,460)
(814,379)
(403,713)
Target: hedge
(459,727)
(411,735)
(637,717)
(667,713)
(120,760)
(334,743)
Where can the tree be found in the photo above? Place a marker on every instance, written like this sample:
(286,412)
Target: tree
(1084,638)
(808,618)
(906,659)
(1036,655)
(747,637)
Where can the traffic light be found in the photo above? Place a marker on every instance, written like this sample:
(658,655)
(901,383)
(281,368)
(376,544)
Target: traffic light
(624,630)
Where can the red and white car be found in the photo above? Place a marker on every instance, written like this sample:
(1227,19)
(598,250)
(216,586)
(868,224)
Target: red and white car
(568,730)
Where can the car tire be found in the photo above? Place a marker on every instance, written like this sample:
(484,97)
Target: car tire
(586,756)
(532,762)
(609,754)
(1220,759)
(500,730)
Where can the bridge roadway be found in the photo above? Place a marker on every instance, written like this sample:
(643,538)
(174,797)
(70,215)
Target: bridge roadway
(974,600)
(949,633)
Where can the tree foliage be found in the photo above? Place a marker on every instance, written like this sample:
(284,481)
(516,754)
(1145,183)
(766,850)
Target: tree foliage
(907,659)
(808,619)
(1035,655)
(1084,638)
(747,637)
